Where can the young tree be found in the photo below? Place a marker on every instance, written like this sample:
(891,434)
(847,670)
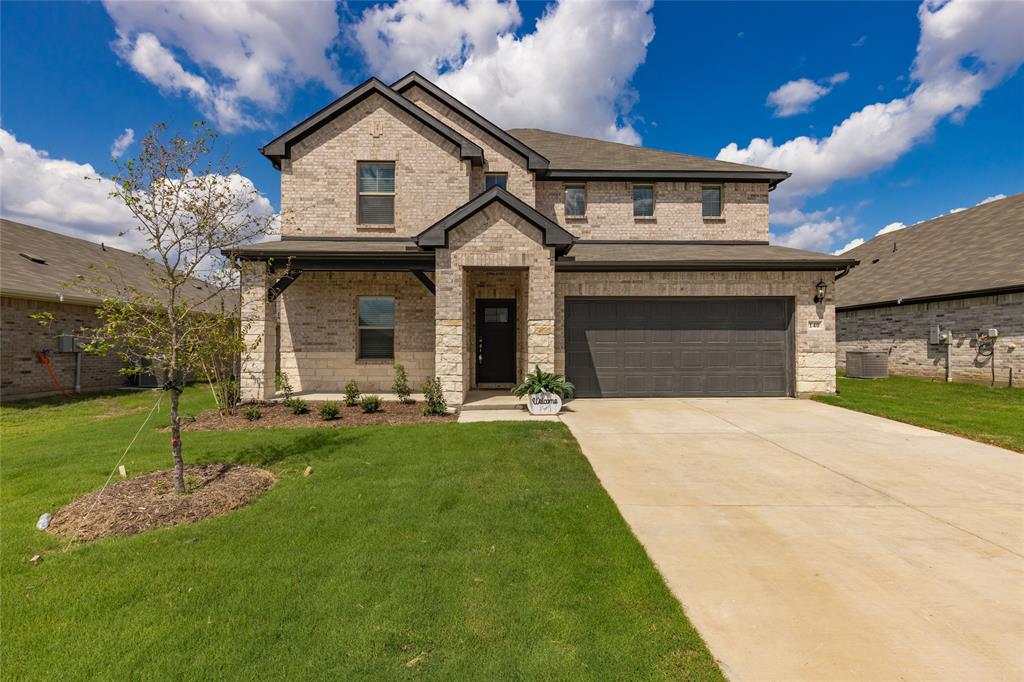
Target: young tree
(188,206)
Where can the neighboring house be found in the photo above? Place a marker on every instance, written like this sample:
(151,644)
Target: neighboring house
(962,273)
(416,231)
(36,267)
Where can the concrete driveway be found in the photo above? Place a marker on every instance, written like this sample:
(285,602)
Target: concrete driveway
(811,542)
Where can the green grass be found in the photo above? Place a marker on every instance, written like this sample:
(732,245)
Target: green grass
(487,550)
(989,415)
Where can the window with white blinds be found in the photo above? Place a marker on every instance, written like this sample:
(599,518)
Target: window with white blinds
(376,193)
(377,327)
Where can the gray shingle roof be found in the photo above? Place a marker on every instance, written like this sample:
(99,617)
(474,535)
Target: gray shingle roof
(574,153)
(976,250)
(63,259)
(682,256)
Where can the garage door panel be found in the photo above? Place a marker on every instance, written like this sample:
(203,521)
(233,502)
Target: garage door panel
(690,347)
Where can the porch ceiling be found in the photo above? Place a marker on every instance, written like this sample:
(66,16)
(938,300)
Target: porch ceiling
(338,253)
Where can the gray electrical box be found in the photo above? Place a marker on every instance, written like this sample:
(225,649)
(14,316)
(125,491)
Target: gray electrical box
(938,336)
(993,333)
(69,343)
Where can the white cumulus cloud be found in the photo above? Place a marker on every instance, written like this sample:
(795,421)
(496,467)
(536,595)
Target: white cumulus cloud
(816,236)
(965,49)
(121,143)
(994,197)
(570,73)
(797,96)
(852,244)
(891,227)
(244,57)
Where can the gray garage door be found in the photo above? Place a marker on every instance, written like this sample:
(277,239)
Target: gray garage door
(678,347)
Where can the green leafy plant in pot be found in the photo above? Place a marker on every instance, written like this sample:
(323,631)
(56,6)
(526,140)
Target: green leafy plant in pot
(544,391)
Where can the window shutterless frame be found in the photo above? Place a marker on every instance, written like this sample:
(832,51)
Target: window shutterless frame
(643,200)
(492,179)
(575,200)
(375,187)
(711,201)
(376,327)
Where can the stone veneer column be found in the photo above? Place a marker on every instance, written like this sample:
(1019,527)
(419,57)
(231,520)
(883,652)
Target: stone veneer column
(540,326)
(259,327)
(449,342)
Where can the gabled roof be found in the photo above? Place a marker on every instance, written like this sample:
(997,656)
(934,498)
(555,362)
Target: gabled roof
(534,161)
(37,264)
(967,253)
(554,235)
(280,147)
(574,157)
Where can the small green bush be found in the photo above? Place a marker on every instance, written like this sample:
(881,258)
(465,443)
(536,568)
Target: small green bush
(401,385)
(282,384)
(329,411)
(434,398)
(297,405)
(351,394)
(370,403)
(253,413)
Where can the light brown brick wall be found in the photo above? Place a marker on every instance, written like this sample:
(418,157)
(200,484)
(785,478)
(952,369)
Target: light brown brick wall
(21,376)
(318,185)
(319,341)
(902,333)
(814,346)
(677,211)
(499,157)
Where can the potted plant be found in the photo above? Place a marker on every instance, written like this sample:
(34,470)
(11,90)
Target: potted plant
(544,391)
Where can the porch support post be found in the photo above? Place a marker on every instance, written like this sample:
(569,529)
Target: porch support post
(540,325)
(259,330)
(449,341)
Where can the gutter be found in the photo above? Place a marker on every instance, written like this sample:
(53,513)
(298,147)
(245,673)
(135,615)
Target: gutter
(935,298)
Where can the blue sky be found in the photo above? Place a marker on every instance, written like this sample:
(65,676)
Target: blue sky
(689,77)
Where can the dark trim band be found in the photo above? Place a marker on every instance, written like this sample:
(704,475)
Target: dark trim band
(933,299)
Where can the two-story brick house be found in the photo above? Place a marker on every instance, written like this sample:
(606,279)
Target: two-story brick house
(416,231)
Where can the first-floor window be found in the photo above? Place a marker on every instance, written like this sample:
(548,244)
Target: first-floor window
(711,201)
(376,193)
(377,327)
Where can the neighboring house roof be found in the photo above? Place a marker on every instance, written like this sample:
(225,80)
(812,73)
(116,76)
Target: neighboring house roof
(534,161)
(651,255)
(574,157)
(41,264)
(971,252)
(280,147)
(553,233)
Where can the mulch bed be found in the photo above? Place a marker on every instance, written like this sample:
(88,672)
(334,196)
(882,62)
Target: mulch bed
(149,501)
(277,415)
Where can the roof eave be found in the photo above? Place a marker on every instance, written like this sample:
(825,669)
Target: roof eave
(773,178)
(698,265)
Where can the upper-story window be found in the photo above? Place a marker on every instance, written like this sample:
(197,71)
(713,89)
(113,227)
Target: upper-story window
(495,180)
(376,327)
(643,201)
(376,193)
(711,201)
(575,201)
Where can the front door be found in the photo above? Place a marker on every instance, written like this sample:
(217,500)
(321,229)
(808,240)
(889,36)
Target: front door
(495,341)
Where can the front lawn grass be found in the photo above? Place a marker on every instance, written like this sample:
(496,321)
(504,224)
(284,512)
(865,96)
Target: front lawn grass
(989,415)
(447,551)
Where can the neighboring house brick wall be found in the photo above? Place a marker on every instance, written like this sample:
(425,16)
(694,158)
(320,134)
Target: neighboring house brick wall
(902,332)
(677,211)
(318,331)
(21,376)
(318,185)
(499,157)
(814,348)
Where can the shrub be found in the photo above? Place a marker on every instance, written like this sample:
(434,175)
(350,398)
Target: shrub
(538,381)
(351,394)
(401,385)
(282,384)
(329,411)
(228,394)
(297,405)
(370,403)
(434,398)
(253,413)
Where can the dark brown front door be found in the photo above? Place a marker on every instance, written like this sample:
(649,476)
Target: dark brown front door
(495,341)
(679,347)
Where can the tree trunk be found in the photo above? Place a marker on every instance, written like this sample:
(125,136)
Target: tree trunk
(179,464)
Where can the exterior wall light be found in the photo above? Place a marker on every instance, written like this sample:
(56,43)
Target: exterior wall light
(821,288)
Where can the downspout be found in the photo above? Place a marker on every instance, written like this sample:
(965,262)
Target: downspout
(78,371)
(949,358)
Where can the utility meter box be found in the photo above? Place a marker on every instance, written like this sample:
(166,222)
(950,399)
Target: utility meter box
(938,336)
(69,343)
(993,333)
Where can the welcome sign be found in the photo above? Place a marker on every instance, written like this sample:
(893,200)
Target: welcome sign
(544,402)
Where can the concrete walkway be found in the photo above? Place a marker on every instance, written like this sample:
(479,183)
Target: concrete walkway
(811,542)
